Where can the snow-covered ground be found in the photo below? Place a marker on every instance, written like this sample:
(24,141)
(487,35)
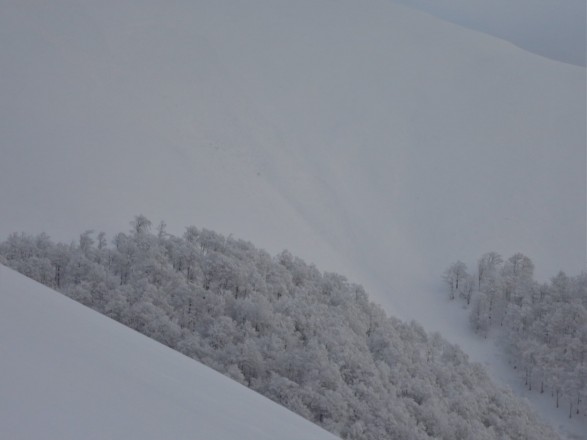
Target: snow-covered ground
(372,139)
(67,372)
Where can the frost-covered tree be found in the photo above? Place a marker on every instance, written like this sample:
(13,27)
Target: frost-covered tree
(455,276)
(488,269)
(311,341)
(140,224)
(543,328)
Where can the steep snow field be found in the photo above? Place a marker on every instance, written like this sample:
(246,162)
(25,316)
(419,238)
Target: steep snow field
(69,373)
(372,139)
(375,140)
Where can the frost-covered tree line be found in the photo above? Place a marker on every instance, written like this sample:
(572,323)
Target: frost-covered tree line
(543,327)
(310,341)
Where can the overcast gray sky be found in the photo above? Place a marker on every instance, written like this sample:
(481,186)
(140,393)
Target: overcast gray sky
(552,28)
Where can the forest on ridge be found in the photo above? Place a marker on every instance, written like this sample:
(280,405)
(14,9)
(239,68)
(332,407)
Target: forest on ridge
(311,341)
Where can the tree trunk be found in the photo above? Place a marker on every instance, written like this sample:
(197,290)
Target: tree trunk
(570,409)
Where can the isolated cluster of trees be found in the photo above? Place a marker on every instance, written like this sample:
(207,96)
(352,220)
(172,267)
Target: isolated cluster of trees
(543,326)
(310,341)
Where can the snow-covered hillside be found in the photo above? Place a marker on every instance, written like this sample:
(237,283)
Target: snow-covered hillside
(67,372)
(372,139)
(351,134)
(375,140)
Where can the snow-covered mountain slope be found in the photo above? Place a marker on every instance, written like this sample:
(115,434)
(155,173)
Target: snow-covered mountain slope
(67,372)
(372,139)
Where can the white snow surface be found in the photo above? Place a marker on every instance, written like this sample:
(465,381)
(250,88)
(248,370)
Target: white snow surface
(67,372)
(372,139)
(369,138)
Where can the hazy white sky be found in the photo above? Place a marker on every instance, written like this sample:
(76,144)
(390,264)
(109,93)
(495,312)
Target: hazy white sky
(552,28)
